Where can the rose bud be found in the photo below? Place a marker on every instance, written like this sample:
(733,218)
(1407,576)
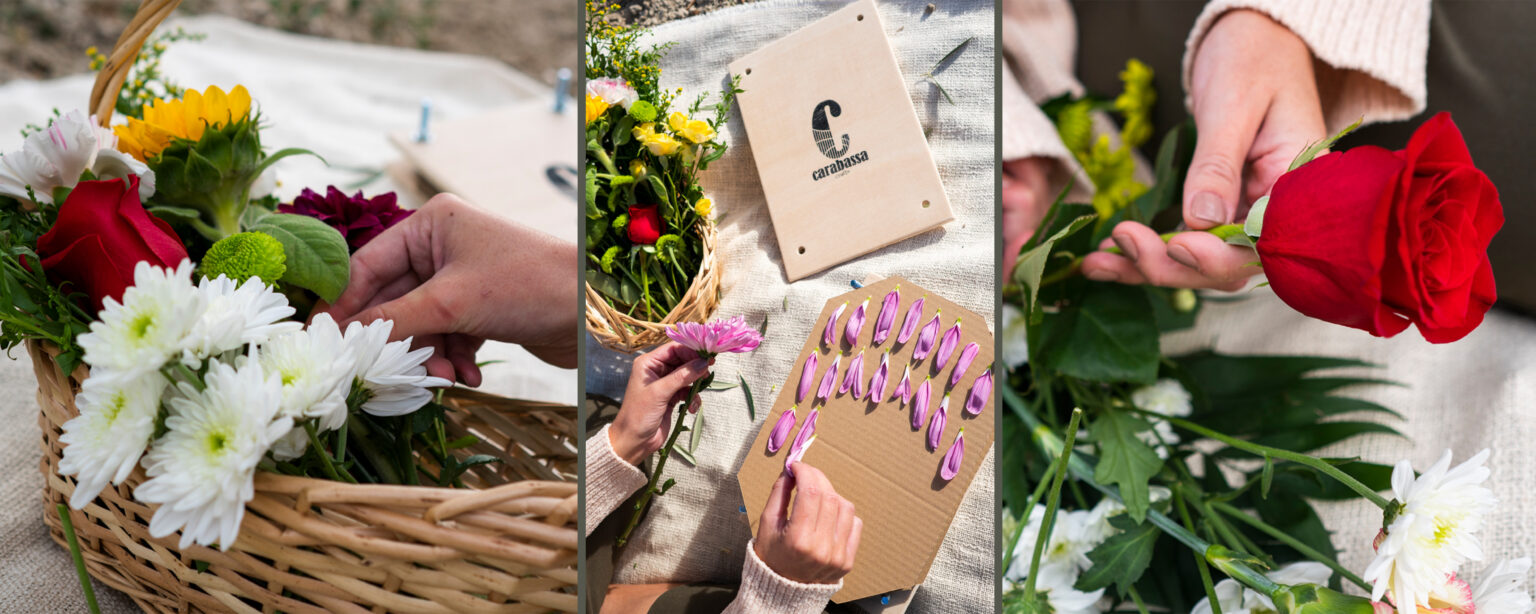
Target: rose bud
(947,347)
(967,356)
(644,224)
(807,374)
(829,379)
(909,324)
(878,382)
(854,374)
(981,391)
(953,458)
(855,324)
(926,338)
(831,332)
(936,425)
(904,387)
(920,403)
(781,430)
(887,315)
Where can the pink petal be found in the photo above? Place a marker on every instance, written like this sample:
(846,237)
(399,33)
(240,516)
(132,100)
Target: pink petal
(878,382)
(936,425)
(858,380)
(981,391)
(807,374)
(781,430)
(855,324)
(954,457)
(947,346)
(967,356)
(855,373)
(920,403)
(831,331)
(829,379)
(803,439)
(904,388)
(909,324)
(719,336)
(887,315)
(926,338)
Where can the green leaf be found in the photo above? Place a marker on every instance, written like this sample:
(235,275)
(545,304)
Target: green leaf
(950,56)
(591,188)
(1031,264)
(1255,222)
(279,155)
(623,132)
(1111,336)
(1125,460)
(661,195)
(1267,477)
(318,259)
(747,390)
(1123,558)
(697,434)
(685,455)
(1312,150)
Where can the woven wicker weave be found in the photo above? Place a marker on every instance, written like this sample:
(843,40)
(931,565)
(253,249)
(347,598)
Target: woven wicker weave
(618,331)
(505,544)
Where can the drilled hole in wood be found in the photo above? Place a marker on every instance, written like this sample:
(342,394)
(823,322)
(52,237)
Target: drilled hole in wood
(802,249)
(925,204)
(749,71)
(861,18)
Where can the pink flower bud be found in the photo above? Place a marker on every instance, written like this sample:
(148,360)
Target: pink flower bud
(829,379)
(981,390)
(781,430)
(909,324)
(936,425)
(878,382)
(904,387)
(855,324)
(854,378)
(828,335)
(807,375)
(926,338)
(967,356)
(947,347)
(920,403)
(954,457)
(887,315)
(803,439)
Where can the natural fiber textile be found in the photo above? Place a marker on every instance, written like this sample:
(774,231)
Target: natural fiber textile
(340,100)
(698,530)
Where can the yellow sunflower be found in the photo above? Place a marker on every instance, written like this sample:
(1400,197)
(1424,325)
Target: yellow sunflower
(167,120)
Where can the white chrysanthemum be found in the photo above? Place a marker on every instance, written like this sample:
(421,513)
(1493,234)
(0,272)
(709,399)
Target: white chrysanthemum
(1165,397)
(202,469)
(315,367)
(290,446)
(1498,591)
(1434,530)
(1074,535)
(1235,598)
(392,376)
(1064,599)
(149,326)
(1015,339)
(236,314)
(103,444)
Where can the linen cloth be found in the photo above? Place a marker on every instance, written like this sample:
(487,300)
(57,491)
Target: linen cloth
(338,99)
(698,530)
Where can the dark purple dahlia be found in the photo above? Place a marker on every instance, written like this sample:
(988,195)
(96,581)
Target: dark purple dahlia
(357,218)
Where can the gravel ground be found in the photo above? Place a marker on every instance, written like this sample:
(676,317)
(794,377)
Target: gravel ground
(42,39)
(653,12)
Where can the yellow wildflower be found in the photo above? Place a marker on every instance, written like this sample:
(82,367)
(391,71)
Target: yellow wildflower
(703,207)
(167,120)
(596,107)
(643,130)
(1135,102)
(661,144)
(696,131)
(637,168)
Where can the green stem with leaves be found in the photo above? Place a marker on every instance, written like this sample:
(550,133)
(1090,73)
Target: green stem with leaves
(1288,540)
(651,489)
(1051,503)
(1223,232)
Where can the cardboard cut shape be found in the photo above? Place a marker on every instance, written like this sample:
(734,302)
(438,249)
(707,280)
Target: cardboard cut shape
(870,452)
(470,157)
(842,158)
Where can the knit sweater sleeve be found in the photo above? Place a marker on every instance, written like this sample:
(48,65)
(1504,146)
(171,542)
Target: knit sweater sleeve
(765,592)
(1373,52)
(610,479)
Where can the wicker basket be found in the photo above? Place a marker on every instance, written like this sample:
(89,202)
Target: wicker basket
(618,331)
(507,543)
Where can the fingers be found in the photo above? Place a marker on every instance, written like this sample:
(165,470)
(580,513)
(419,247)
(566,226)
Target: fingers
(387,258)
(429,309)
(1189,260)
(851,541)
(1227,120)
(810,486)
(461,351)
(659,362)
(682,377)
(777,509)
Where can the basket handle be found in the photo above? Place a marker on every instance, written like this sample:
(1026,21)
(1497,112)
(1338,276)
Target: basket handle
(109,82)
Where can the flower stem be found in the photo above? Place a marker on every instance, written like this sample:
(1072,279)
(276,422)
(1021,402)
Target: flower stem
(74,553)
(1029,506)
(661,462)
(325,457)
(1222,232)
(1052,501)
(1288,540)
(1205,571)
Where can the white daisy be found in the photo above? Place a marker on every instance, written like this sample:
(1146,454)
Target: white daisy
(149,326)
(391,376)
(202,469)
(235,314)
(103,444)
(1498,591)
(1431,528)
(1236,598)
(314,366)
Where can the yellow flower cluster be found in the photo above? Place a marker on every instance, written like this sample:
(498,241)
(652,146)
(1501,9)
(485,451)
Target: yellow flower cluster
(660,143)
(1113,175)
(168,120)
(1135,102)
(596,107)
(696,131)
(703,207)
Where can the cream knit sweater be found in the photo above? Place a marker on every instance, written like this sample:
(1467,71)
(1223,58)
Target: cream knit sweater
(611,480)
(1370,62)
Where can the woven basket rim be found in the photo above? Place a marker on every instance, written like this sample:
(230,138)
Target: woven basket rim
(620,332)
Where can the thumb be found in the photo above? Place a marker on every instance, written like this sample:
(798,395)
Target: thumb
(420,312)
(777,508)
(1213,188)
(684,376)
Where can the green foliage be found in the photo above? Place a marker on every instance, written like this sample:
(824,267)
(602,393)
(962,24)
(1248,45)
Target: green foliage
(1123,558)
(31,306)
(1109,335)
(318,259)
(1125,460)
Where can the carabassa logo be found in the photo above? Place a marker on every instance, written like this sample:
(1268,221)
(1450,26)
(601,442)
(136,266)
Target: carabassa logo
(821,130)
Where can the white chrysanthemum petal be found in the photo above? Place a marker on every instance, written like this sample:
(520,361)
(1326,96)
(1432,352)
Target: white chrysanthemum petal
(315,368)
(103,444)
(149,326)
(1166,397)
(1498,591)
(236,314)
(291,445)
(1015,331)
(393,377)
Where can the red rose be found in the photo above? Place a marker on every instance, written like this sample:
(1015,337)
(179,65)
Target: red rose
(1376,239)
(644,224)
(102,232)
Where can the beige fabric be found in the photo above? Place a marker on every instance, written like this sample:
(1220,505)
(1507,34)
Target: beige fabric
(339,99)
(698,531)
(1473,394)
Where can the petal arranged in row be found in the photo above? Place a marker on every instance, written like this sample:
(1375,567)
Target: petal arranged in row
(855,324)
(829,379)
(781,430)
(981,391)
(830,333)
(887,315)
(954,457)
(807,375)
(882,375)
(967,356)
(936,425)
(925,339)
(947,347)
(909,324)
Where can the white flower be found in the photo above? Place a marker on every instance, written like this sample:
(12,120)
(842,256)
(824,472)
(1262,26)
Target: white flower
(1165,397)
(613,91)
(235,315)
(1433,532)
(1498,591)
(1161,434)
(290,446)
(392,377)
(1064,599)
(58,155)
(201,471)
(150,326)
(103,444)
(315,368)
(1015,339)
(1238,599)
(1075,533)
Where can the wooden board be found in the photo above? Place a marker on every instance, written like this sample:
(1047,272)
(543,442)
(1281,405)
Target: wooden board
(871,453)
(842,158)
(501,161)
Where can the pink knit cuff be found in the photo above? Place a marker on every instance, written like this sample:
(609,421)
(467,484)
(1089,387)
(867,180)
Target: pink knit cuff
(610,479)
(765,592)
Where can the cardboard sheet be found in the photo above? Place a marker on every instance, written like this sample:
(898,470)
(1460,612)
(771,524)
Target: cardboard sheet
(870,452)
(841,155)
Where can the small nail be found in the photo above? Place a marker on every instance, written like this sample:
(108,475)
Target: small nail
(1126,245)
(1182,256)
(1207,207)
(1101,275)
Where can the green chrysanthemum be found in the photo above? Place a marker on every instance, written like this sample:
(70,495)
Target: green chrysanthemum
(246,255)
(608,258)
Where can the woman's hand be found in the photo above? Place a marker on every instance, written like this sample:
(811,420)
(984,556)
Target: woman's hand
(816,542)
(658,382)
(1026,196)
(1255,103)
(453,276)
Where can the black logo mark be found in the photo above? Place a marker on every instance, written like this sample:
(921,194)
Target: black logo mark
(822,131)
